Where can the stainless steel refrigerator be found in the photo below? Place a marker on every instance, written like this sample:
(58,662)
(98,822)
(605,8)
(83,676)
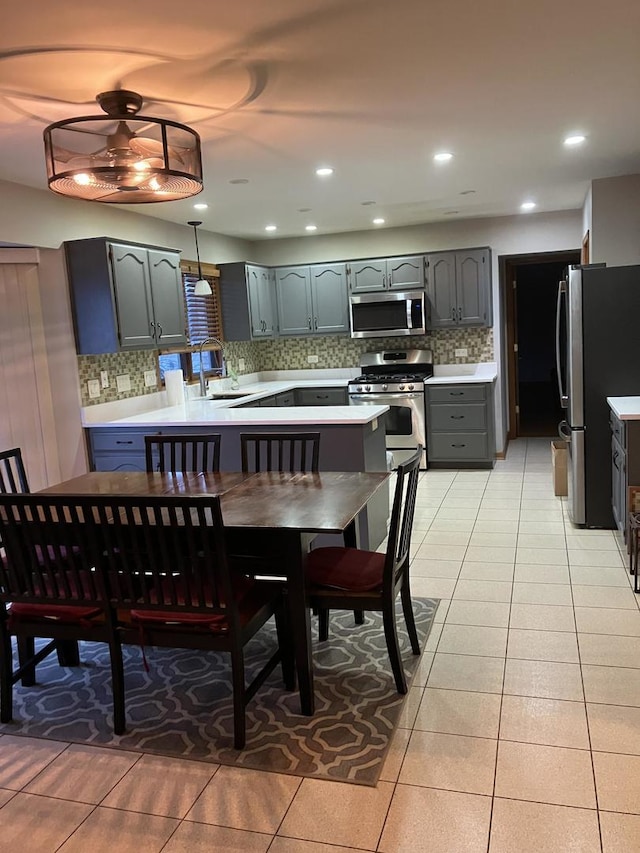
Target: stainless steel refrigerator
(598,356)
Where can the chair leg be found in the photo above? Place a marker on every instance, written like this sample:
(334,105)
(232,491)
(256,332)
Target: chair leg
(68,653)
(239,702)
(323,624)
(285,643)
(409,618)
(117,687)
(6,676)
(391,636)
(26,650)
(358,616)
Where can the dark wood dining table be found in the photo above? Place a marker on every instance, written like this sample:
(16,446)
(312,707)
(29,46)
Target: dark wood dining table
(270,514)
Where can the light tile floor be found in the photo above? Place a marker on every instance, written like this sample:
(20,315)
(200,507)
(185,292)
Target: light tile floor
(521,731)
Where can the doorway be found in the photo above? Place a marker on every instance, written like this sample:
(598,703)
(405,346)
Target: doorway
(531,287)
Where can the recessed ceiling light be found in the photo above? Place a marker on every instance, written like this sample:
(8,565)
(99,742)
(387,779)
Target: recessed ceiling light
(378,221)
(527,205)
(310,227)
(239,181)
(270,227)
(201,206)
(324,171)
(578,139)
(304,209)
(443,157)
(367,203)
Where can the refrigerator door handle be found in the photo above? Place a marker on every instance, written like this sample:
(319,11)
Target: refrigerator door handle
(564,430)
(564,399)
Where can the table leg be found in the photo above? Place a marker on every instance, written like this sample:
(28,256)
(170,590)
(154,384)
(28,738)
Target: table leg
(295,561)
(68,653)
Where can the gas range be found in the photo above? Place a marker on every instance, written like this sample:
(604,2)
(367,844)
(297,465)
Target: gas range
(393,371)
(370,382)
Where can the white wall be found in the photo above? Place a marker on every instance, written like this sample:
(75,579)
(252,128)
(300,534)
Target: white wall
(615,232)
(33,217)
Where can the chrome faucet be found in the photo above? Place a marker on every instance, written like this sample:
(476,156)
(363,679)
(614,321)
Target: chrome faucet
(223,369)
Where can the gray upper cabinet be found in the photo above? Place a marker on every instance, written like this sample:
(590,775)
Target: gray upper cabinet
(459,288)
(248,302)
(386,274)
(125,296)
(312,300)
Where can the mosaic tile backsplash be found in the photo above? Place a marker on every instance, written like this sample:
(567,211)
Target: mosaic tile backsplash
(284,354)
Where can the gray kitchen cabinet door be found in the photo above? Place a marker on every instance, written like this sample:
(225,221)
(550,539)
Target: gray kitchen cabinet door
(168,298)
(329,298)
(130,269)
(405,273)
(293,291)
(260,289)
(473,287)
(441,290)
(367,276)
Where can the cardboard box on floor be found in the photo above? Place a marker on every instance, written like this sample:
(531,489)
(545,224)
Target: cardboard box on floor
(559,462)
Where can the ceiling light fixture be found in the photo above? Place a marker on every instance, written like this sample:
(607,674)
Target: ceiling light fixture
(527,205)
(270,227)
(443,157)
(121,157)
(202,286)
(310,227)
(324,171)
(378,221)
(578,139)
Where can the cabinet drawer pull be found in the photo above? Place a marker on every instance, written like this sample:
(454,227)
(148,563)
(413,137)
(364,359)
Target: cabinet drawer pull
(322,396)
(456,417)
(458,445)
(124,442)
(456,393)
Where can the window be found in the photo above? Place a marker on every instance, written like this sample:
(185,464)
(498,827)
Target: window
(204,320)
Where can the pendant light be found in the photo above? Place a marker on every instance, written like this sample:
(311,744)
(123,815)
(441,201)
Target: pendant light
(123,157)
(202,286)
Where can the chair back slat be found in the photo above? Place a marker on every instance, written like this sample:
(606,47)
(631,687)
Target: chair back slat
(181,454)
(13,477)
(50,554)
(402,513)
(284,452)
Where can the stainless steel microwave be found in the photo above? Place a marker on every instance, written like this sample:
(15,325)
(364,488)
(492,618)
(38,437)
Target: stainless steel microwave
(391,314)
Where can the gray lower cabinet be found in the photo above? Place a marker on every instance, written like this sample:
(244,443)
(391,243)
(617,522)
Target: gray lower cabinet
(125,296)
(625,466)
(460,426)
(321,397)
(459,288)
(113,449)
(312,300)
(386,274)
(247,296)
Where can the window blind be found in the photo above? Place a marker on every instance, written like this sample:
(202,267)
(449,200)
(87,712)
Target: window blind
(204,315)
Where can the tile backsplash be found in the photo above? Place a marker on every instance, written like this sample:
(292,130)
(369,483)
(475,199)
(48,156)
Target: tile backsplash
(283,354)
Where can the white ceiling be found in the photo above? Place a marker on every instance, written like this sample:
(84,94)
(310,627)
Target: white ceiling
(373,88)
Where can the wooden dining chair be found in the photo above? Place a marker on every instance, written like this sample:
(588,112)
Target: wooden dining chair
(352,579)
(51,588)
(179,454)
(169,579)
(286,451)
(13,477)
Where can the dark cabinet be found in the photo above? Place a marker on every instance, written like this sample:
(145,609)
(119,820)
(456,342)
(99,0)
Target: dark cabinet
(321,397)
(125,296)
(459,288)
(248,302)
(312,300)
(386,274)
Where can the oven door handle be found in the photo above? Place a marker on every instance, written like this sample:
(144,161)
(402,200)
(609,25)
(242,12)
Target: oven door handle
(380,398)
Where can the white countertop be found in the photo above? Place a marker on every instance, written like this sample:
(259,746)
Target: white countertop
(486,371)
(626,408)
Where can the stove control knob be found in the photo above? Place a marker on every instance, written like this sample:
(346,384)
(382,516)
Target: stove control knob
(384,387)
(367,387)
(410,387)
(400,387)
(359,388)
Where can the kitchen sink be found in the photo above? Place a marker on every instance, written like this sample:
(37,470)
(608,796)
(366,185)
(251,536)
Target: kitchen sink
(229,395)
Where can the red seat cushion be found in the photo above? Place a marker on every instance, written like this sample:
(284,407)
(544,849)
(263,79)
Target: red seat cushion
(20,611)
(346,568)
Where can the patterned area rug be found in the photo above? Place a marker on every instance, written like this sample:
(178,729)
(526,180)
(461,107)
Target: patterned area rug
(180,708)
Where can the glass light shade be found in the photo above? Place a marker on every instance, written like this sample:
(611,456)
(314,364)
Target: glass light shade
(123,158)
(202,288)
